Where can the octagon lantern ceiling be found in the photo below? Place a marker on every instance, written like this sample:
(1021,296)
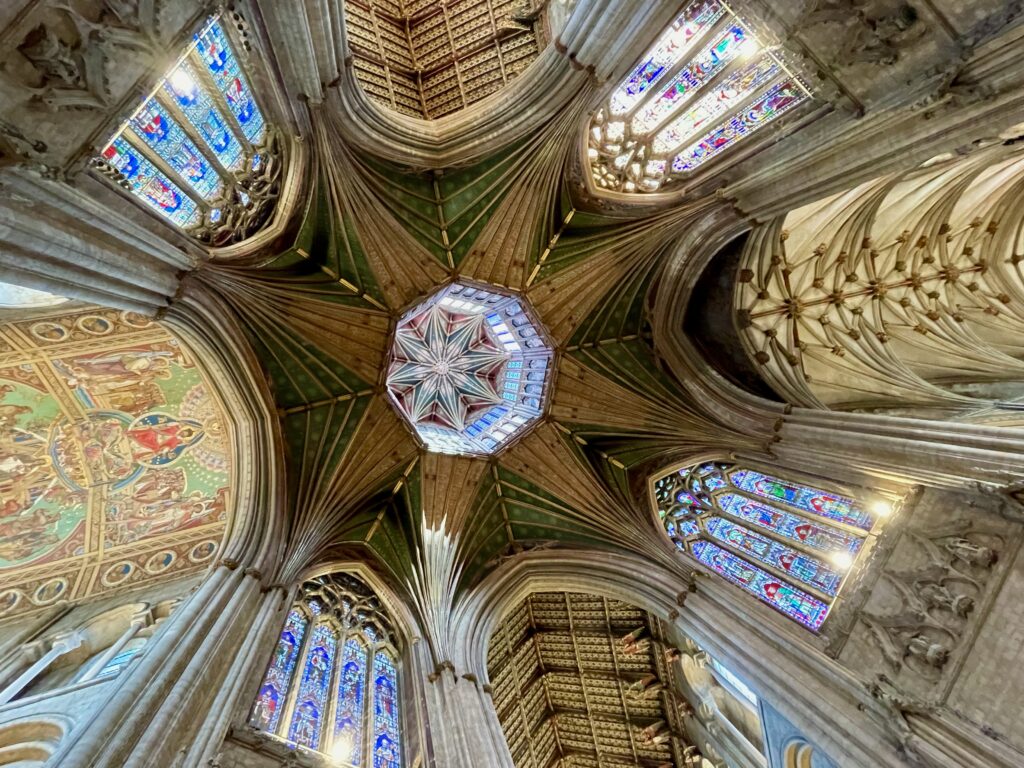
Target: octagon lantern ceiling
(470,369)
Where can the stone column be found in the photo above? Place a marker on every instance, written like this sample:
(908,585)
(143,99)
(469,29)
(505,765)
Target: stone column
(233,699)
(64,239)
(462,721)
(165,699)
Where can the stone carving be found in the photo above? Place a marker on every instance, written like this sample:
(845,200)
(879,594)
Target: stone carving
(871,31)
(936,598)
(64,58)
(896,707)
(936,595)
(16,146)
(528,12)
(972,554)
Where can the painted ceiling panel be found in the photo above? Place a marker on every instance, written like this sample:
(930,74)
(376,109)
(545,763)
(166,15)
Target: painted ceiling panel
(115,461)
(580,680)
(429,59)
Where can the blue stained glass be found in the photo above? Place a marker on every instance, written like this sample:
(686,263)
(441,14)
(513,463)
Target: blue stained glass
(158,129)
(677,40)
(714,482)
(790,526)
(807,569)
(311,703)
(723,96)
(348,725)
(266,713)
(784,597)
(183,86)
(119,661)
(215,50)
(779,98)
(684,527)
(811,500)
(386,746)
(150,185)
(691,79)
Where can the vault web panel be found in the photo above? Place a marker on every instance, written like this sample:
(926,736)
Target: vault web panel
(470,369)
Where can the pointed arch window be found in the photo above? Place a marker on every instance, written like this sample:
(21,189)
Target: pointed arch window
(705,84)
(790,545)
(332,682)
(199,151)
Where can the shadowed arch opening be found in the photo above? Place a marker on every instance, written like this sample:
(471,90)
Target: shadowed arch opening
(29,743)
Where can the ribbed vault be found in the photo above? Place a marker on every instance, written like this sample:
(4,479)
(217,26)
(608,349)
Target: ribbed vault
(581,681)
(375,240)
(904,291)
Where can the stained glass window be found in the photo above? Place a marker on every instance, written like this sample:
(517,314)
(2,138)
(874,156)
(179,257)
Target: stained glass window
(196,149)
(705,84)
(267,711)
(336,690)
(348,724)
(313,687)
(791,545)
(385,713)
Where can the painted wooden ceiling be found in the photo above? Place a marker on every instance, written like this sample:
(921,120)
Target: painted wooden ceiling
(428,59)
(115,465)
(376,240)
(582,681)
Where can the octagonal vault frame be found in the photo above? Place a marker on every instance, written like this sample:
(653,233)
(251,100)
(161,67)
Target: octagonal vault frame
(471,446)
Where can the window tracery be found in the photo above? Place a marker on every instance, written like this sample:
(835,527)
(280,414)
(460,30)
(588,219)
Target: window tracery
(790,545)
(199,151)
(705,84)
(332,681)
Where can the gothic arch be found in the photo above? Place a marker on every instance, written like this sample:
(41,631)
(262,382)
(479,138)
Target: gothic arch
(209,328)
(703,615)
(596,39)
(686,262)
(203,153)
(708,82)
